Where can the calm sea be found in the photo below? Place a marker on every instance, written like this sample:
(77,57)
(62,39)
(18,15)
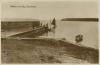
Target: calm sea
(69,29)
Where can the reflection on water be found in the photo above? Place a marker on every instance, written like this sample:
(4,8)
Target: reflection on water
(69,29)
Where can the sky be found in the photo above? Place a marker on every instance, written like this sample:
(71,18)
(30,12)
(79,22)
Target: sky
(49,9)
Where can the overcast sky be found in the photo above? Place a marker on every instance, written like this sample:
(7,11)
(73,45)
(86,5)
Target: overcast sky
(50,9)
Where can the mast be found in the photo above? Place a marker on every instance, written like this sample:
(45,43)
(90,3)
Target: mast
(54,22)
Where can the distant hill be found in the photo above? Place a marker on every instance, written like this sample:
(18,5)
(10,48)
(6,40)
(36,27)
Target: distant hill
(17,20)
(18,23)
(79,19)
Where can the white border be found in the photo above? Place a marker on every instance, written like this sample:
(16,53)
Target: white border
(49,1)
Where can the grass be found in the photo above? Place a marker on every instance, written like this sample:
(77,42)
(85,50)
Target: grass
(45,51)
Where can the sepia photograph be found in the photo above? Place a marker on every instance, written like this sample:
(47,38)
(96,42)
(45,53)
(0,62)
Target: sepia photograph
(49,32)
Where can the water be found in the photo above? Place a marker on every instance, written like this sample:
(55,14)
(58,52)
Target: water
(69,29)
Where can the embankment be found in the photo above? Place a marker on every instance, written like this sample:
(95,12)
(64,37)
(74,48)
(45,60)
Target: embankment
(45,51)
